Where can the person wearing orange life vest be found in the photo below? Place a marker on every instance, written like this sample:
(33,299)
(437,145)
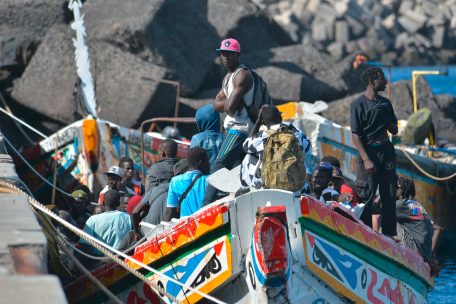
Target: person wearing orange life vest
(129,182)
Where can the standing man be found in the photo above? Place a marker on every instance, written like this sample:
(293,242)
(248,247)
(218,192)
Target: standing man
(115,176)
(371,116)
(236,93)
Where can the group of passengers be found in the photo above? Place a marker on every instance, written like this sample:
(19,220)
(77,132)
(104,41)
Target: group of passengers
(178,188)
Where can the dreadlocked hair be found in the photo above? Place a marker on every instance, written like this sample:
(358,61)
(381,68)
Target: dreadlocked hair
(407,187)
(371,74)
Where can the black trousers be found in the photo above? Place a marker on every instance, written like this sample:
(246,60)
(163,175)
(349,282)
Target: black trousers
(385,179)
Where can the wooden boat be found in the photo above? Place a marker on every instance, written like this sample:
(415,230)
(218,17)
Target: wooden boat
(268,246)
(84,151)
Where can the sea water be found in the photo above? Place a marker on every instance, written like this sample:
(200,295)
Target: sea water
(445,286)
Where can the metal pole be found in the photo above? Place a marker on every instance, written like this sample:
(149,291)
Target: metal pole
(415,102)
(54,182)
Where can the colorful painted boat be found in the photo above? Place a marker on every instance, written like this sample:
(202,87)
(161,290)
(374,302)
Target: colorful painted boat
(85,150)
(437,197)
(263,247)
(268,246)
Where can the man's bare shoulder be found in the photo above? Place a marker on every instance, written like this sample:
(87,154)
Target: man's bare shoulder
(243,77)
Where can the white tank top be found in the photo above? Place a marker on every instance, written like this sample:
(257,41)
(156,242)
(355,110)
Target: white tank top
(240,121)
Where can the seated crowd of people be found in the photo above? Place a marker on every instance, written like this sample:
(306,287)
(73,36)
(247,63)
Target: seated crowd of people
(178,188)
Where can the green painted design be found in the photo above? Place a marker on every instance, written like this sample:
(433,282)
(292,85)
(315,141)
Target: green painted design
(365,253)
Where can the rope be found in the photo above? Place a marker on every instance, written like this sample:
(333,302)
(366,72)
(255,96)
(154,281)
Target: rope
(446,178)
(89,275)
(33,169)
(106,249)
(76,262)
(19,127)
(23,122)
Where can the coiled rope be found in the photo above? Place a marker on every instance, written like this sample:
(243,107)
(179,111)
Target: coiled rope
(437,178)
(106,249)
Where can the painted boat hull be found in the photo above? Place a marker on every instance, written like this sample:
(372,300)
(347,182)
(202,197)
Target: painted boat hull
(330,258)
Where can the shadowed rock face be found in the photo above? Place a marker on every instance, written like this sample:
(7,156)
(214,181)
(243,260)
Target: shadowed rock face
(48,83)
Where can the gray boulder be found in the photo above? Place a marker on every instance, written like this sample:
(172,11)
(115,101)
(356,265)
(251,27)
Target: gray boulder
(282,84)
(30,17)
(323,82)
(47,84)
(172,33)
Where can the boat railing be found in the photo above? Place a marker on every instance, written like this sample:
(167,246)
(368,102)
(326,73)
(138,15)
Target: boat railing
(174,120)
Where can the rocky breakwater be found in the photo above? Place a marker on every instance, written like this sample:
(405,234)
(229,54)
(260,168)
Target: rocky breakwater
(398,32)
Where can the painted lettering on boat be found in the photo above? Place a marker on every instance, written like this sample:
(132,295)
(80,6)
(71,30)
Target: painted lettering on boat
(353,277)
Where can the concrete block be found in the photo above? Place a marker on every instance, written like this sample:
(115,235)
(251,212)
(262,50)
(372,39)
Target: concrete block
(437,19)
(409,24)
(342,31)
(401,40)
(336,50)
(32,289)
(389,22)
(341,7)
(429,8)
(422,41)
(312,5)
(356,27)
(322,31)
(326,12)
(406,5)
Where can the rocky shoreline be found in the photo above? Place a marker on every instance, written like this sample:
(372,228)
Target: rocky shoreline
(304,49)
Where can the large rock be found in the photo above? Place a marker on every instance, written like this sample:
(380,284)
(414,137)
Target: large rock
(172,33)
(305,60)
(282,84)
(32,17)
(181,35)
(243,20)
(48,82)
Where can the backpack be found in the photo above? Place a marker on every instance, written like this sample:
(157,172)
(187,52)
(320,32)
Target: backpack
(260,94)
(283,162)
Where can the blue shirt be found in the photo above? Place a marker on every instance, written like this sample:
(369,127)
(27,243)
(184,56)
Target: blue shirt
(109,227)
(194,199)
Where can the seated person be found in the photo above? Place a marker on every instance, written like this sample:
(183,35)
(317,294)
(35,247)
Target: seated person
(186,191)
(79,208)
(254,145)
(413,224)
(162,170)
(115,175)
(209,138)
(345,188)
(321,180)
(124,199)
(130,183)
(110,226)
(152,208)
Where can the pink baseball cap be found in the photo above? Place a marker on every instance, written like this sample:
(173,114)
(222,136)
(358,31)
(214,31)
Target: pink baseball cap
(230,45)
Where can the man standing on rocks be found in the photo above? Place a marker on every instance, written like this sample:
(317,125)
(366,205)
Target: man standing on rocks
(371,116)
(236,93)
